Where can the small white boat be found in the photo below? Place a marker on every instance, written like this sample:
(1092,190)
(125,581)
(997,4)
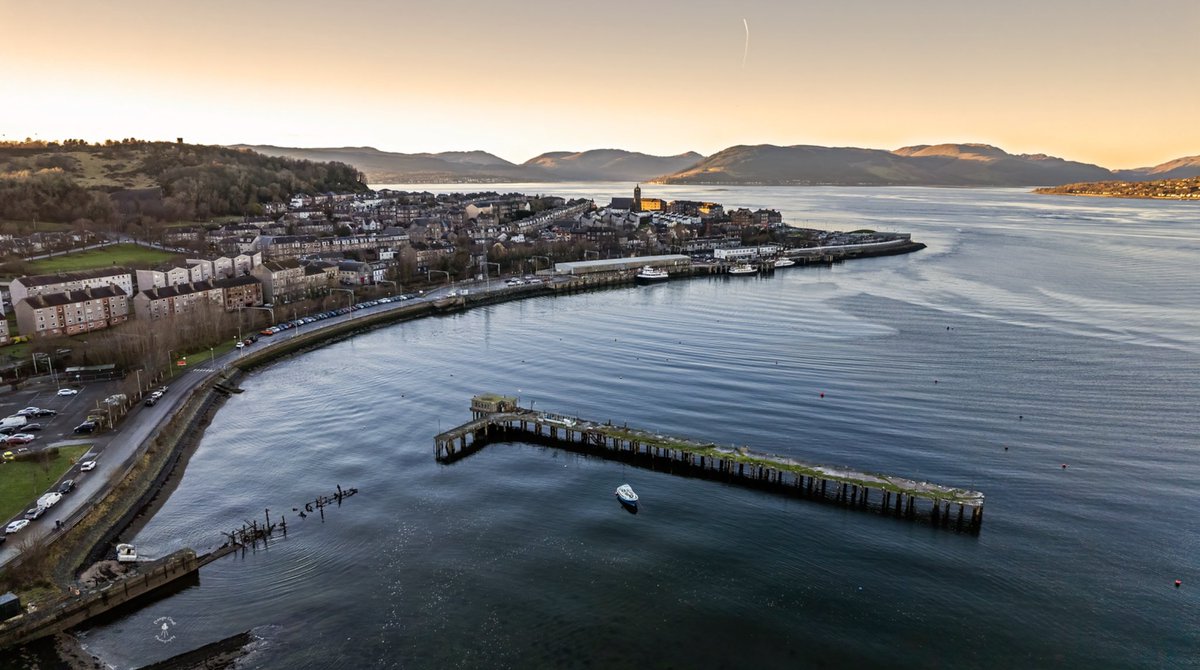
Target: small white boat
(126,553)
(784,262)
(742,269)
(626,495)
(649,274)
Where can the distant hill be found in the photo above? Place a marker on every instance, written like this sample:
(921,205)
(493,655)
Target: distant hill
(610,164)
(924,165)
(1187,188)
(386,167)
(1180,168)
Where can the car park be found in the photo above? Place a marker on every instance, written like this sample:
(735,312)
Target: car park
(65,392)
(87,466)
(15,526)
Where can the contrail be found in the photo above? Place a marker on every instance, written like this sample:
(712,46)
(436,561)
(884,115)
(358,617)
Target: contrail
(746,51)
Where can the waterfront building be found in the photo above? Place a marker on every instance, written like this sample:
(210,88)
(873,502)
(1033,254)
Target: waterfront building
(622,264)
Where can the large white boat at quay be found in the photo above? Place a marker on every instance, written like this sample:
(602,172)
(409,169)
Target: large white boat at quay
(742,269)
(651,274)
(784,262)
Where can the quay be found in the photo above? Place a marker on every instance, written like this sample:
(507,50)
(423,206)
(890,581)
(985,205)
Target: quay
(497,418)
(179,569)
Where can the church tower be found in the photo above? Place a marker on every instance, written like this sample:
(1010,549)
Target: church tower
(637,198)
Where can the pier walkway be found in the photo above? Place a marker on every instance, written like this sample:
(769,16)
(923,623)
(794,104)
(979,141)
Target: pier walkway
(497,419)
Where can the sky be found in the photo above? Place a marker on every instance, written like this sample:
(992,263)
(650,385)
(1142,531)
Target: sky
(1101,81)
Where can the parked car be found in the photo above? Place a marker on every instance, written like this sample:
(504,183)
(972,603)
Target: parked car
(30,426)
(162,390)
(34,512)
(87,466)
(85,427)
(66,486)
(151,401)
(15,526)
(19,438)
(45,412)
(9,430)
(67,391)
(28,411)
(8,455)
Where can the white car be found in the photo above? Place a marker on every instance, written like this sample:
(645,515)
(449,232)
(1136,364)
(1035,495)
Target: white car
(16,525)
(87,465)
(67,391)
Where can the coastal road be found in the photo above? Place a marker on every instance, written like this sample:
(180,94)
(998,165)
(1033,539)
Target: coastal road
(114,451)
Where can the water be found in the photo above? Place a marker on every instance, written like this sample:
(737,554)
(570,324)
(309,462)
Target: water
(1074,338)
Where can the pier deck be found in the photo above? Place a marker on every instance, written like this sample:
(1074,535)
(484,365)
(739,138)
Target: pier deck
(497,418)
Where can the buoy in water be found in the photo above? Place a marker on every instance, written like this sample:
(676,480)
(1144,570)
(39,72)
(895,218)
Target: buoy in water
(1178,583)
(1064,466)
(822,394)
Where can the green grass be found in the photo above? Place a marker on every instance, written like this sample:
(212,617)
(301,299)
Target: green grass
(21,482)
(117,254)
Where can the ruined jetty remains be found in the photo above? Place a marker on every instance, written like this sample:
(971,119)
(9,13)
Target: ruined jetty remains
(497,418)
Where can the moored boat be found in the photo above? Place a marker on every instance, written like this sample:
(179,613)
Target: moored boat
(626,495)
(783,262)
(742,269)
(126,553)
(649,274)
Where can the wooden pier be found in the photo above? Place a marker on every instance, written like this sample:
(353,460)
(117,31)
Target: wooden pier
(497,418)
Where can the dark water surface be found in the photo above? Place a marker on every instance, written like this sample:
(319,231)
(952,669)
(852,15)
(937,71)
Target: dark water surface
(1082,316)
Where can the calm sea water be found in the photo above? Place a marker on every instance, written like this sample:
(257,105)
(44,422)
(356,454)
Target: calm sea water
(1074,337)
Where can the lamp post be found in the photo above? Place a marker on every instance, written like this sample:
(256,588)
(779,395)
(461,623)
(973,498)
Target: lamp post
(487,274)
(547,258)
(346,290)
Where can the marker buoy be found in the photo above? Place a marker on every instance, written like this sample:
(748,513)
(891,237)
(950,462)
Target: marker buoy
(1178,583)
(822,394)
(1064,466)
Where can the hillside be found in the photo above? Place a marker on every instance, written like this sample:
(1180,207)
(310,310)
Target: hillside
(386,167)
(924,165)
(1167,189)
(610,164)
(117,181)
(1180,168)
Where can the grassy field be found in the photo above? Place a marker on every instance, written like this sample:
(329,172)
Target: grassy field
(21,482)
(117,254)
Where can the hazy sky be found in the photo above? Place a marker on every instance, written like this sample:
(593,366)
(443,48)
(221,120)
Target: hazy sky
(1104,81)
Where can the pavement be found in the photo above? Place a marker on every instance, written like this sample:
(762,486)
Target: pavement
(114,451)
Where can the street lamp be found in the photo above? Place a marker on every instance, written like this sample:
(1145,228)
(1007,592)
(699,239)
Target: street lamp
(487,274)
(346,290)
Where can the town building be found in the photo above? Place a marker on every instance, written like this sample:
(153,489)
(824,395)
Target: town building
(72,312)
(62,282)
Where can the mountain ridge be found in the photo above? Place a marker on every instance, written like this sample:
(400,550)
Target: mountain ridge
(947,164)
